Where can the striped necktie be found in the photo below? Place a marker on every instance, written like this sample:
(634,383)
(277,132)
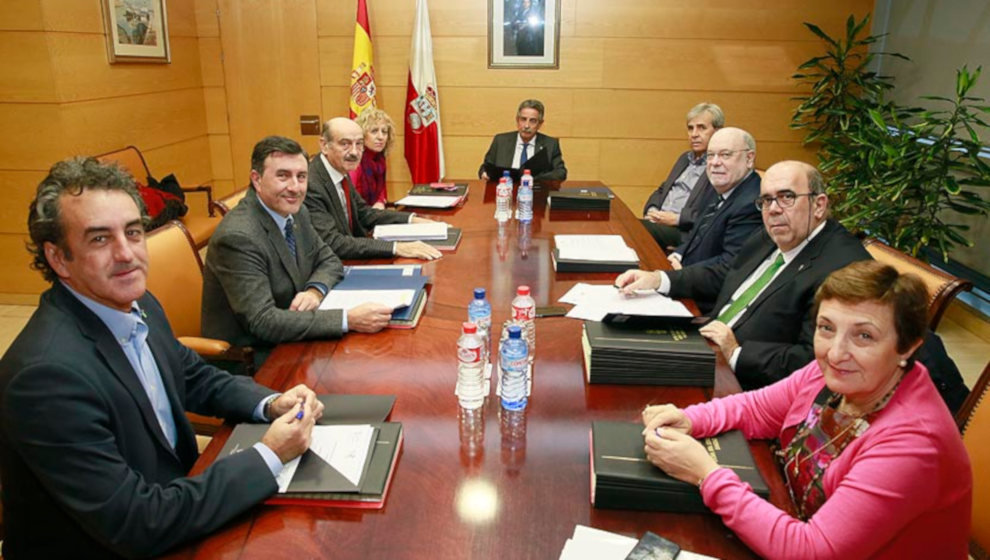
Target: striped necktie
(753,290)
(290,237)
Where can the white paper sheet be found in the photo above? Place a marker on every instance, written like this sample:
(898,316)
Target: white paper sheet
(427,201)
(408,232)
(594,248)
(344,448)
(593,302)
(348,299)
(589,543)
(407,269)
(285,477)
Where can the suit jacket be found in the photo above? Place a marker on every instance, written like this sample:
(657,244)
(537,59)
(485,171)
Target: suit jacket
(702,193)
(503,150)
(86,469)
(327,212)
(250,279)
(731,225)
(776,331)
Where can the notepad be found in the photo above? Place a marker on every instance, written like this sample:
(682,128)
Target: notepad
(411,232)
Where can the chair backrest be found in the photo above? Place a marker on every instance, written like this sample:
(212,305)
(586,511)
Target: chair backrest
(974,423)
(227,203)
(942,286)
(129,158)
(175,277)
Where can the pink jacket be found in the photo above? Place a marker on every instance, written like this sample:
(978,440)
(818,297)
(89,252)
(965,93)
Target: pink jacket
(903,489)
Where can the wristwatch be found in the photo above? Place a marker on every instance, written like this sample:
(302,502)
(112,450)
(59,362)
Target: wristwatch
(267,409)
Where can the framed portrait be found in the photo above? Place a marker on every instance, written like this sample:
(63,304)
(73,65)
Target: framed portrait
(136,31)
(523,33)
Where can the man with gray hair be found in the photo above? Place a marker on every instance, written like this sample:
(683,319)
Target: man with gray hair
(94,442)
(673,208)
(512,150)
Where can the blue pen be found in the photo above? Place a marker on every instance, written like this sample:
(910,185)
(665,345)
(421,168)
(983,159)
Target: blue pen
(299,415)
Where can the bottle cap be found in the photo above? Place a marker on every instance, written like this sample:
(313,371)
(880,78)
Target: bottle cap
(502,180)
(522,291)
(525,171)
(506,173)
(515,331)
(469,328)
(479,293)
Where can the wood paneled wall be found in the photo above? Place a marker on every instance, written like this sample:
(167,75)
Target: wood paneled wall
(59,97)
(629,71)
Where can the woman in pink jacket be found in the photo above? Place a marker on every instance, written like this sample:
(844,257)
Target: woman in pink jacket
(873,460)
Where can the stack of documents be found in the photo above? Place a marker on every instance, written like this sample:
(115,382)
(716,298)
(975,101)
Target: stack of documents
(592,302)
(435,195)
(392,287)
(351,457)
(669,351)
(593,253)
(623,478)
(411,232)
(581,198)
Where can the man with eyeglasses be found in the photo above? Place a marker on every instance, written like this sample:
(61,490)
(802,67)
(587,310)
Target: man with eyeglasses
(340,215)
(761,319)
(730,217)
(678,202)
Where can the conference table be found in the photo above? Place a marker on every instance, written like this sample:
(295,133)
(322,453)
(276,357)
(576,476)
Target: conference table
(483,484)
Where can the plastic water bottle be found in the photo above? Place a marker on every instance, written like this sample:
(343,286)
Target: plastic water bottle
(470,368)
(480,313)
(503,201)
(514,362)
(524,199)
(524,313)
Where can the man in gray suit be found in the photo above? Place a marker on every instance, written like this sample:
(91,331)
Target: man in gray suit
(267,270)
(679,201)
(340,215)
(514,149)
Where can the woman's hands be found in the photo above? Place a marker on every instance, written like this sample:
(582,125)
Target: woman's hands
(669,445)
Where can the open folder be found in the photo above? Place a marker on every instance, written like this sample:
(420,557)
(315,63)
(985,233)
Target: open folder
(347,472)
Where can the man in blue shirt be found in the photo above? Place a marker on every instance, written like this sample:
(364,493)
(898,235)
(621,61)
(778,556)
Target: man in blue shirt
(94,441)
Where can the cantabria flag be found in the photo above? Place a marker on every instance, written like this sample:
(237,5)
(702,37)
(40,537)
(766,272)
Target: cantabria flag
(362,67)
(424,144)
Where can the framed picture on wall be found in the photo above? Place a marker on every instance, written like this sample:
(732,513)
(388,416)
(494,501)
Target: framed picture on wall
(136,30)
(523,33)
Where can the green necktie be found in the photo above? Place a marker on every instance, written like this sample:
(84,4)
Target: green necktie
(751,292)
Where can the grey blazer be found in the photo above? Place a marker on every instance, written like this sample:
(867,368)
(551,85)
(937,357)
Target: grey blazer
(701,195)
(327,212)
(250,279)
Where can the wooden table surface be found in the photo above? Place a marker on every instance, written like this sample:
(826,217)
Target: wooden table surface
(482,485)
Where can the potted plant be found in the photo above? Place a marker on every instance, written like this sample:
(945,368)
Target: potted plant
(893,171)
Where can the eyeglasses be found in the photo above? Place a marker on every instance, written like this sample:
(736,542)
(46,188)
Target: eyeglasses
(725,154)
(785,199)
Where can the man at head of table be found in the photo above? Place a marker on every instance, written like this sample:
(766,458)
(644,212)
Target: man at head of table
(340,215)
(94,441)
(514,149)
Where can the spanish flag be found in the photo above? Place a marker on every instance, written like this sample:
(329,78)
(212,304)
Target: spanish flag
(362,67)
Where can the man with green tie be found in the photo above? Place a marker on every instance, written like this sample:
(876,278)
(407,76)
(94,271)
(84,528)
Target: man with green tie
(762,318)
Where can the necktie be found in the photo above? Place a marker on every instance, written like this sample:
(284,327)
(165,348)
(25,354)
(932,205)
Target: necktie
(345,185)
(706,219)
(524,156)
(751,292)
(290,237)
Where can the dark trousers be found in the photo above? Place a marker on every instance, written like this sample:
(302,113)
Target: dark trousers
(666,236)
